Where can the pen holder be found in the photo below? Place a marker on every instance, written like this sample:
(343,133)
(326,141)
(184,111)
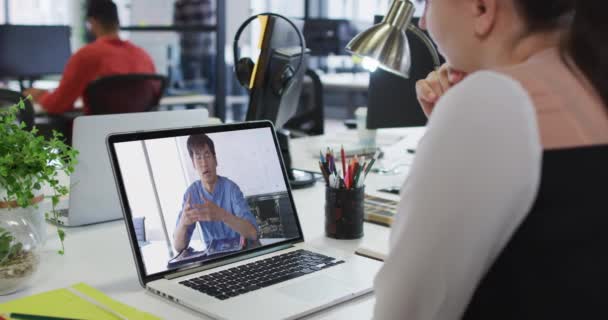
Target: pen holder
(344,213)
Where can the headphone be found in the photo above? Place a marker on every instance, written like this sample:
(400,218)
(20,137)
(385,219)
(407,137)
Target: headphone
(244,66)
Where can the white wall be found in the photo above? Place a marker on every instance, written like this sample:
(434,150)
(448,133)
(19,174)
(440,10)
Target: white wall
(168,177)
(152,12)
(2,21)
(246,157)
(39,12)
(237,11)
(138,185)
(364,10)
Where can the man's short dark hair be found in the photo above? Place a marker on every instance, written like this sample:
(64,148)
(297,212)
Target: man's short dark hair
(105,12)
(198,142)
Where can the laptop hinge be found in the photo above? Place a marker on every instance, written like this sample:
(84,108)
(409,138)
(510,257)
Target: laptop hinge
(225,262)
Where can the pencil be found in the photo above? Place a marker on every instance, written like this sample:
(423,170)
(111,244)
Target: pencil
(343,155)
(358,169)
(22,316)
(324,172)
(369,166)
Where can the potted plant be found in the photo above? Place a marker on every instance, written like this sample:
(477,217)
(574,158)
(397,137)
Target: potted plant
(28,163)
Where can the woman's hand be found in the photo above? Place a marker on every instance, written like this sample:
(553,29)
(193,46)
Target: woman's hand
(435,85)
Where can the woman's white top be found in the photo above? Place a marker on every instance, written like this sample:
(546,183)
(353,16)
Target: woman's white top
(474,179)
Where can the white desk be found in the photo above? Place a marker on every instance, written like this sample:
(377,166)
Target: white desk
(394,144)
(100,255)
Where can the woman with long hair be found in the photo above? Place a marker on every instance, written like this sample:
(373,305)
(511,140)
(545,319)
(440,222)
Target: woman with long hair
(482,230)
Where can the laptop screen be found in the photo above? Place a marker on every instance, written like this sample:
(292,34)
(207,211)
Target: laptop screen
(197,195)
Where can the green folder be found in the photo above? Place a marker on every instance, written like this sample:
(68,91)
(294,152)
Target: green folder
(63,303)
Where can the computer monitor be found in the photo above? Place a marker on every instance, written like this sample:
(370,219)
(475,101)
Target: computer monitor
(29,52)
(265,103)
(328,36)
(392,100)
(271,97)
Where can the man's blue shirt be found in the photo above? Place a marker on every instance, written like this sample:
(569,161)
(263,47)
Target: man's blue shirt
(226,195)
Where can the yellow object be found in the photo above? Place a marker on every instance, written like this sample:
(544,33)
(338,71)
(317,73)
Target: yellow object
(63,303)
(263,26)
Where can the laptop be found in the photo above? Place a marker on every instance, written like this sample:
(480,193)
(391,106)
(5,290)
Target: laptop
(93,174)
(258,268)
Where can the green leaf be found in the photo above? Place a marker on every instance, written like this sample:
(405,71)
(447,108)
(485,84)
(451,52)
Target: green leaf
(28,161)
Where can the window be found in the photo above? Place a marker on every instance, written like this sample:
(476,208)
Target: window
(2,12)
(291,9)
(363,11)
(39,12)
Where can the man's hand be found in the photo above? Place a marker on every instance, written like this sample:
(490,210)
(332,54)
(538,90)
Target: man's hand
(209,211)
(435,85)
(35,93)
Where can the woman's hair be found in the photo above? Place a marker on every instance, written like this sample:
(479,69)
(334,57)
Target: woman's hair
(586,42)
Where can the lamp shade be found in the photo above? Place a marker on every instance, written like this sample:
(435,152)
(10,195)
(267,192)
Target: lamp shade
(387,42)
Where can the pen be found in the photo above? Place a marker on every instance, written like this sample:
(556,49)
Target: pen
(351,172)
(23,316)
(369,166)
(324,172)
(333,163)
(346,179)
(358,169)
(343,156)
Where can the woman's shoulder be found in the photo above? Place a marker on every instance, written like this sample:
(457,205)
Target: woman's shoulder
(486,93)
(539,73)
(487,108)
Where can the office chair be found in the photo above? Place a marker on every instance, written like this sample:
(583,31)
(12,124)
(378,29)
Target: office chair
(124,93)
(554,266)
(309,118)
(9,98)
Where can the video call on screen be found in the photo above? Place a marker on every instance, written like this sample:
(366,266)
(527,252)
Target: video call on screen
(185,194)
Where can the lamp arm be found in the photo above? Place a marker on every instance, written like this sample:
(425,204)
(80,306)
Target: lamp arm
(427,42)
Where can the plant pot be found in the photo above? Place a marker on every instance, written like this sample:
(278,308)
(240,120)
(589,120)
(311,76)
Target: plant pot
(36,216)
(19,248)
(35,213)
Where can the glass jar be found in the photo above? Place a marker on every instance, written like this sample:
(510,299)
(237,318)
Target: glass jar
(19,248)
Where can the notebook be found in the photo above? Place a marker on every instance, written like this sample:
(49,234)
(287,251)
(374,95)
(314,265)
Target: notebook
(62,303)
(374,247)
(379,210)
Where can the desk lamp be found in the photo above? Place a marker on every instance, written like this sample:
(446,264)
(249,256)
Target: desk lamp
(385,44)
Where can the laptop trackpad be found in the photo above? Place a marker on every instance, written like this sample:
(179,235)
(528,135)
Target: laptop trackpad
(317,289)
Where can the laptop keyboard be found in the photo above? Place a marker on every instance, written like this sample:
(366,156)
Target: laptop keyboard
(263,273)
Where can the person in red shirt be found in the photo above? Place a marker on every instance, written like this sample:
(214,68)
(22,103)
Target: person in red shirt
(108,55)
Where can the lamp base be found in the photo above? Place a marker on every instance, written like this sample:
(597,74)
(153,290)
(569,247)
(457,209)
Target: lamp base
(299,179)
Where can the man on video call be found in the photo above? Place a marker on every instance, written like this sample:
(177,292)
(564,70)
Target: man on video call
(214,202)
